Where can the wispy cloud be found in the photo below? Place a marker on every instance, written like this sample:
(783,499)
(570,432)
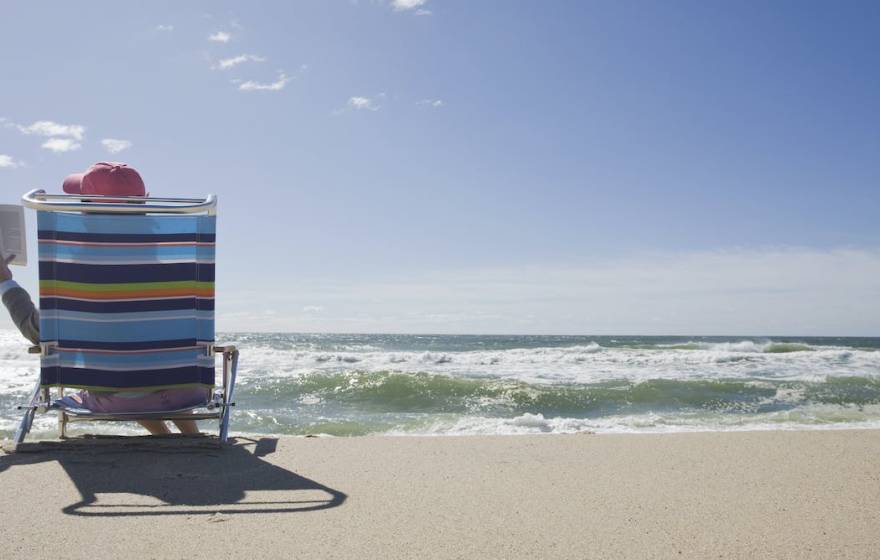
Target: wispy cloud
(403,5)
(227,63)
(431,102)
(277,85)
(9,162)
(115,145)
(424,12)
(770,291)
(50,128)
(163,27)
(359,103)
(220,37)
(59,145)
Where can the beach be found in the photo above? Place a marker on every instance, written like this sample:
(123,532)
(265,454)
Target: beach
(761,494)
(415,279)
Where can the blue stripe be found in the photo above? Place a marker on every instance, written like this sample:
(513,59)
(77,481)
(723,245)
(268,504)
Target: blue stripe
(205,329)
(125,224)
(133,331)
(114,274)
(111,253)
(121,380)
(99,306)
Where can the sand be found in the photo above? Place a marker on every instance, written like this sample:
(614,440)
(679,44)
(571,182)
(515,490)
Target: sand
(799,495)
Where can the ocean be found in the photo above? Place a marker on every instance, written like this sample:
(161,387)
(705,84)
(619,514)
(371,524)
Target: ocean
(356,385)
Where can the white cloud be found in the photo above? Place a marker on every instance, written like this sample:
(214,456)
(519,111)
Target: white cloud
(313,308)
(8,162)
(227,63)
(58,145)
(424,12)
(220,37)
(277,85)
(359,103)
(400,5)
(431,102)
(115,145)
(162,27)
(50,128)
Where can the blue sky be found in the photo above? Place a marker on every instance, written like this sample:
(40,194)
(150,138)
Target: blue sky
(482,167)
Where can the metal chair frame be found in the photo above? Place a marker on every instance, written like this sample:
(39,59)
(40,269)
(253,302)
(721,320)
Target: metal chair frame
(221,402)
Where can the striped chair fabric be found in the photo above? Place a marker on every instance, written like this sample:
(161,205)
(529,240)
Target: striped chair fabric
(126,301)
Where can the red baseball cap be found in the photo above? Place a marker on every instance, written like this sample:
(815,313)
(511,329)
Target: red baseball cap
(106,178)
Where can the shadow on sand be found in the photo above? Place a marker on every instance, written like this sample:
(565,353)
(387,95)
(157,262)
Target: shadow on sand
(176,476)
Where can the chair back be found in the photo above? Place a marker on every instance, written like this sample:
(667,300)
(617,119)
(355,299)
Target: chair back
(126,300)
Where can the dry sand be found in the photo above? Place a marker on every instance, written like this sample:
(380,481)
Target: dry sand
(711,495)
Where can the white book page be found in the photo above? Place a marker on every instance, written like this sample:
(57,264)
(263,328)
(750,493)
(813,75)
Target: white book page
(12,233)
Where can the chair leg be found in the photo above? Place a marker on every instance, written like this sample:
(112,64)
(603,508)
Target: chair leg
(224,426)
(230,368)
(62,417)
(24,427)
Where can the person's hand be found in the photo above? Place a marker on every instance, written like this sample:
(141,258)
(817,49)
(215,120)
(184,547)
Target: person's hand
(5,273)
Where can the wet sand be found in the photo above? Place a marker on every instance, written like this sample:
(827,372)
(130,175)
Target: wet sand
(709,495)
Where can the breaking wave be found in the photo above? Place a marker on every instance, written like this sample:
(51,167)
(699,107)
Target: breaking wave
(348,385)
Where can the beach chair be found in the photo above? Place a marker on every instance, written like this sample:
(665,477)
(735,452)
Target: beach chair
(127,304)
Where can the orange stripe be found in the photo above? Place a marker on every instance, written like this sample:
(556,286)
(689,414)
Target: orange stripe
(144,294)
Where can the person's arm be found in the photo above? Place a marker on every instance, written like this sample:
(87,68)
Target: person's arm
(17,301)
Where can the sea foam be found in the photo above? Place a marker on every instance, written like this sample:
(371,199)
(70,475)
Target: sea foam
(434,385)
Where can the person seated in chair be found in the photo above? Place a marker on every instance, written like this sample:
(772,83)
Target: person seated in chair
(113,179)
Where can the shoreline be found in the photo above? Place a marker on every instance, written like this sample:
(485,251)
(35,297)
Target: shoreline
(779,494)
(210,430)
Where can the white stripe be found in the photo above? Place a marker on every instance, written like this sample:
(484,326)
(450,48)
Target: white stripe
(126,320)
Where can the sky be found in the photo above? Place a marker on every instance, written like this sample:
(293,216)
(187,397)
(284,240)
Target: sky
(529,167)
